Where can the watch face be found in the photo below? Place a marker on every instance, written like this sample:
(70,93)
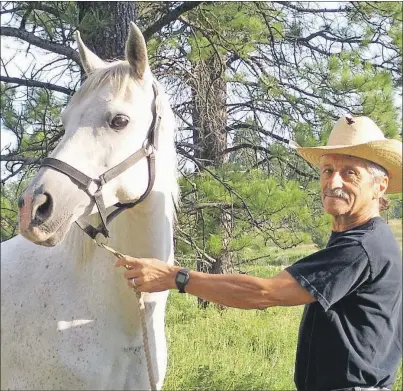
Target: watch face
(181,278)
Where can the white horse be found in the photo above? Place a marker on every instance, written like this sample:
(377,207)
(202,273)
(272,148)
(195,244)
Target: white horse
(68,319)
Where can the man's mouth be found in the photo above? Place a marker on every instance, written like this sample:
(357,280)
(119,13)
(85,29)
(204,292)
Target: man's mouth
(337,197)
(336,194)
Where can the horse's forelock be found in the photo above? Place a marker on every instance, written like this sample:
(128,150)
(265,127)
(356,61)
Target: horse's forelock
(118,74)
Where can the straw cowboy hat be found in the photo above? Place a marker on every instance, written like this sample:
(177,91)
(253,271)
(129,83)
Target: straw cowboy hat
(360,137)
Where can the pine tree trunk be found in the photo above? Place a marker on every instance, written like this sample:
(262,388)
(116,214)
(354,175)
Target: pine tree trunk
(209,93)
(108,38)
(210,111)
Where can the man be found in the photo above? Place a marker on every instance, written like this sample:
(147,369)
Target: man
(351,330)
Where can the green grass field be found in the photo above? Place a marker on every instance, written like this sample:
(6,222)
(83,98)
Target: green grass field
(234,349)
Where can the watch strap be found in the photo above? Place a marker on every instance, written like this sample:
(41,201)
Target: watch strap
(181,279)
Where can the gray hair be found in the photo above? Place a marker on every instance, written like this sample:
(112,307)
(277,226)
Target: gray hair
(378,171)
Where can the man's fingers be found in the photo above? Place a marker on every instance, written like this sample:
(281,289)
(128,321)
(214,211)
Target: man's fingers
(127,261)
(132,273)
(138,282)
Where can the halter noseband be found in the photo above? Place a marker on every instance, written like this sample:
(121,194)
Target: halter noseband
(87,184)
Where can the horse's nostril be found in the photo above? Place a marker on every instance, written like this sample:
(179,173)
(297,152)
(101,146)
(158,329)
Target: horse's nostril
(42,207)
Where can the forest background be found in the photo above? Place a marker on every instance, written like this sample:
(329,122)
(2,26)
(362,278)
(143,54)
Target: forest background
(245,81)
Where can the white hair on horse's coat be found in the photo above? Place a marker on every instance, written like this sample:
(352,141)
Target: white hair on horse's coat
(119,74)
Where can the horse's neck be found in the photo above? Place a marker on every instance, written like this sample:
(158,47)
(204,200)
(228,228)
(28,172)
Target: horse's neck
(147,230)
(144,231)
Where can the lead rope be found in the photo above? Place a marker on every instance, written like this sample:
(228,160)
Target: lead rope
(142,310)
(140,300)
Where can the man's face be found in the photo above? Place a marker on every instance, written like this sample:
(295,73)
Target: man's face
(347,186)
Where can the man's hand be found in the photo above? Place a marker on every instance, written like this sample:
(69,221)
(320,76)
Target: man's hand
(150,274)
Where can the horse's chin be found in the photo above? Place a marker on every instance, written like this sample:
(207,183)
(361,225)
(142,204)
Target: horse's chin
(47,237)
(54,239)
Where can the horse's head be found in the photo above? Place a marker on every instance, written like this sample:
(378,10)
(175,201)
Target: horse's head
(105,122)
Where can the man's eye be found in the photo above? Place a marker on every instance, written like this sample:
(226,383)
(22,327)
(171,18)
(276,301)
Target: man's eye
(350,172)
(119,122)
(327,171)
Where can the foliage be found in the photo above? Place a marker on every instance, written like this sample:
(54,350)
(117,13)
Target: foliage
(286,72)
(265,212)
(8,214)
(9,196)
(395,207)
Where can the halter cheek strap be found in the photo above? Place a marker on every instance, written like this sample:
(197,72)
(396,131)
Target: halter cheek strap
(88,184)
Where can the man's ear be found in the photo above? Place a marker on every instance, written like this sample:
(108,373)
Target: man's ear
(89,60)
(381,185)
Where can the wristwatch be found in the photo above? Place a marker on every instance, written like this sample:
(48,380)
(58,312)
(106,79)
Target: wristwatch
(181,279)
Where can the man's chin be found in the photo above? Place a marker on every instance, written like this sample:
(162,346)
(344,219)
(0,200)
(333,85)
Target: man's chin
(336,212)
(335,206)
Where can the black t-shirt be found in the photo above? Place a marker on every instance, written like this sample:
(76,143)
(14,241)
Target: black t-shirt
(352,335)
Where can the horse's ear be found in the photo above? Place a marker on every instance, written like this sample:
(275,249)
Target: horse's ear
(89,60)
(136,51)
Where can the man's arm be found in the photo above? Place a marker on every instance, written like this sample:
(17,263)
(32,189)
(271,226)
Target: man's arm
(248,292)
(231,290)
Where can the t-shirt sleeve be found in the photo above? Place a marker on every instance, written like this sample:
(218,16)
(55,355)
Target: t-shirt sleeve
(332,273)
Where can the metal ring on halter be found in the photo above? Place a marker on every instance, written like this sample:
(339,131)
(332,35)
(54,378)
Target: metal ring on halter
(98,239)
(148,148)
(94,187)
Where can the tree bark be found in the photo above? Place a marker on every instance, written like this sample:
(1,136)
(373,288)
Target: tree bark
(108,38)
(209,115)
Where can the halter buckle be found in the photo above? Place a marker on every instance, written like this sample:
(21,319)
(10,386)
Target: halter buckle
(100,239)
(148,147)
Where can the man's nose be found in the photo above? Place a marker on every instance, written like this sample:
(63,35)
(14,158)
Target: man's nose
(335,181)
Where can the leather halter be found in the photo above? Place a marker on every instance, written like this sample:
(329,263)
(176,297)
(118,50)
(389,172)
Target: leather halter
(87,184)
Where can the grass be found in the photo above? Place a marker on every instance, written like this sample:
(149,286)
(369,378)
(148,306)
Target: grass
(396,226)
(232,349)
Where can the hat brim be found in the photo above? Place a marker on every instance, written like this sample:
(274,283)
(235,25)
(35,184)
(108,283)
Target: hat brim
(386,153)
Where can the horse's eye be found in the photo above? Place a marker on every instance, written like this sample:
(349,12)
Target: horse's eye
(119,122)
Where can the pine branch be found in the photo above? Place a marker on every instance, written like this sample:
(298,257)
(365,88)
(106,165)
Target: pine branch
(22,159)
(259,129)
(245,145)
(9,11)
(329,38)
(186,238)
(35,83)
(204,205)
(34,5)
(41,43)
(42,6)
(311,10)
(169,17)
